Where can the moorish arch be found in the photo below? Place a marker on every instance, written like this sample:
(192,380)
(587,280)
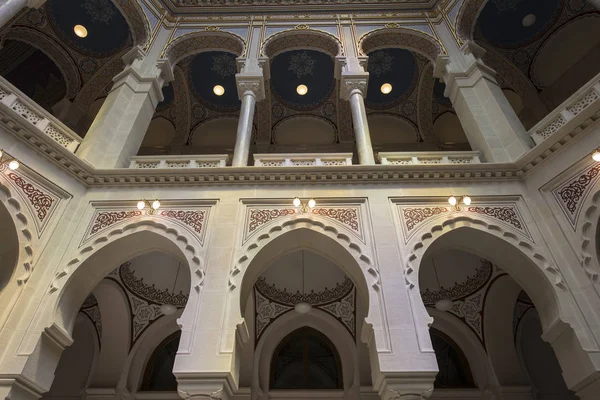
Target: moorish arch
(302,39)
(403,38)
(198,42)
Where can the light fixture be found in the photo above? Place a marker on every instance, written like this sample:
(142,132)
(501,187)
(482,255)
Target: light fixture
(302,90)
(529,20)
(142,204)
(442,304)
(386,88)
(304,207)
(219,90)
(80,31)
(455,202)
(13,163)
(170,309)
(596,155)
(303,307)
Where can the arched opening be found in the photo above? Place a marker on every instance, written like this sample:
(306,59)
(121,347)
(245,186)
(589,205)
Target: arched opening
(474,285)
(454,371)
(158,376)
(306,359)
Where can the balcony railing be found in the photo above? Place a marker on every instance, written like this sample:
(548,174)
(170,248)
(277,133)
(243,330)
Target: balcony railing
(582,105)
(302,160)
(39,118)
(204,161)
(436,157)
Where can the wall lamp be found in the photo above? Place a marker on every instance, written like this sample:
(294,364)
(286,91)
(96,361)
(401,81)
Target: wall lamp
(455,202)
(142,204)
(304,207)
(5,158)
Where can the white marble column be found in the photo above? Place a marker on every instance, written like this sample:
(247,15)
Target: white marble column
(121,124)
(489,121)
(10,8)
(354,91)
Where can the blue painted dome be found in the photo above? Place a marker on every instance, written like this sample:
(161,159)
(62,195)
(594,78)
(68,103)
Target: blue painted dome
(215,68)
(397,67)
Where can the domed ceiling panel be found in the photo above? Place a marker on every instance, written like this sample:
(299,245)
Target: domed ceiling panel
(302,67)
(503,23)
(397,67)
(108,31)
(215,68)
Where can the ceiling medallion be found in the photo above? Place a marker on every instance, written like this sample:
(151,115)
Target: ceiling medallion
(212,28)
(302,27)
(391,25)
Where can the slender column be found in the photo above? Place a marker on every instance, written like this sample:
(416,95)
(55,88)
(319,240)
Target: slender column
(486,116)
(354,89)
(121,124)
(10,8)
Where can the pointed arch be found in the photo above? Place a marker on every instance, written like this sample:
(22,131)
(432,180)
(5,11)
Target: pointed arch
(403,38)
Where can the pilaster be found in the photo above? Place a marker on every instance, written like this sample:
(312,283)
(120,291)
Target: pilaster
(121,124)
(490,123)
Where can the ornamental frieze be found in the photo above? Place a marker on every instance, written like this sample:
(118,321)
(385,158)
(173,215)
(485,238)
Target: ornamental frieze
(272,302)
(571,195)
(40,201)
(191,219)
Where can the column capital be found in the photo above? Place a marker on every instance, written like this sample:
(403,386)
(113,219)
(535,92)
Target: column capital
(254,84)
(354,84)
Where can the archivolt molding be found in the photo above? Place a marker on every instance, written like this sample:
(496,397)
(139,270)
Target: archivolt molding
(21,218)
(197,42)
(54,51)
(429,232)
(304,38)
(405,38)
(108,236)
(425,104)
(467,16)
(137,20)
(588,233)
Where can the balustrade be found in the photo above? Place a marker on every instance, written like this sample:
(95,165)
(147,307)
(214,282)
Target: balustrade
(436,157)
(302,160)
(202,161)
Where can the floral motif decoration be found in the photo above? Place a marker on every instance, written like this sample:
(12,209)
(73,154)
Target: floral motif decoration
(91,310)
(468,297)
(505,214)
(302,64)
(144,300)
(40,201)
(272,302)
(260,217)
(413,216)
(224,65)
(347,216)
(108,218)
(99,10)
(380,62)
(571,195)
(194,219)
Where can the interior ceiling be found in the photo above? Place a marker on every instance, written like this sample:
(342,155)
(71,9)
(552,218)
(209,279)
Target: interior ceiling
(207,69)
(240,6)
(302,67)
(108,31)
(397,67)
(162,272)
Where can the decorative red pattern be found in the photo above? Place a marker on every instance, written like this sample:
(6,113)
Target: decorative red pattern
(572,193)
(105,219)
(414,216)
(261,217)
(40,201)
(347,216)
(191,218)
(504,214)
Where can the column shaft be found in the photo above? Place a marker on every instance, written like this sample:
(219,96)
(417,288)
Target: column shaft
(9,9)
(361,128)
(244,130)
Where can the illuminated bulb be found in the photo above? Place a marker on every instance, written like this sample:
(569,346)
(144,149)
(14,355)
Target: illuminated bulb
(596,156)
(444,305)
(141,204)
(80,31)
(302,90)
(1,152)
(529,20)
(168,309)
(219,90)
(386,88)
(296,202)
(14,164)
(452,200)
(155,204)
(303,308)
(466,200)
(312,203)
